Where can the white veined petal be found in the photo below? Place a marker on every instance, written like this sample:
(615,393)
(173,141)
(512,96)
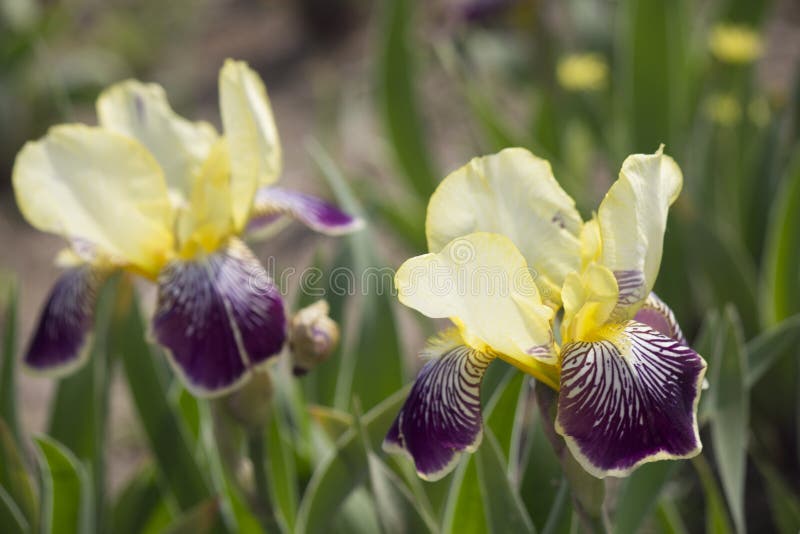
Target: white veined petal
(99,186)
(515,194)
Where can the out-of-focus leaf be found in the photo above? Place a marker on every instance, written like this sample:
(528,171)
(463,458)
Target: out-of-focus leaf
(781,283)
(729,425)
(14,477)
(66,490)
(784,503)
(653,53)
(464,510)
(397,99)
(372,364)
(504,411)
(396,507)
(11,517)
(342,471)
(543,488)
(669,518)
(357,515)
(8,358)
(559,519)
(148,385)
(639,494)
(86,393)
(199,520)
(136,504)
(717,521)
(504,508)
(707,345)
(282,472)
(770,346)
(334,422)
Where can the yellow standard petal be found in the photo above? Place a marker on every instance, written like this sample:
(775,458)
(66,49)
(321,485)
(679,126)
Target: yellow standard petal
(141,111)
(249,126)
(92,184)
(632,219)
(515,194)
(208,219)
(589,300)
(483,284)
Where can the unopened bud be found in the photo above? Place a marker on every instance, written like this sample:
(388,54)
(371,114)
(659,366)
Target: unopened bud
(313,337)
(250,405)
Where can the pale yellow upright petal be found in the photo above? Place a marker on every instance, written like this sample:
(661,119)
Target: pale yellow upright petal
(208,219)
(589,300)
(92,184)
(483,284)
(632,219)
(515,194)
(252,137)
(141,111)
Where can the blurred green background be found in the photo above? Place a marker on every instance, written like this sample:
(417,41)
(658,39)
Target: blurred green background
(375,103)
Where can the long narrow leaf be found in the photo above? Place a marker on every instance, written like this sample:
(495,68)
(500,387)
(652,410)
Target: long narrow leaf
(8,359)
(14,477)
(66,490)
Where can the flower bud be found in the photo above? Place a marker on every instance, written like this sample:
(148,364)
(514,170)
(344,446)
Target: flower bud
(313,336)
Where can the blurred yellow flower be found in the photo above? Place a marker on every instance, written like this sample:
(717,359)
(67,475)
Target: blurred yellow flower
(723,109)
(758,111)
(582,72)
(734,43)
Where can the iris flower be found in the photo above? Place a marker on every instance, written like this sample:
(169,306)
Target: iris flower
(152,193)
(524,279)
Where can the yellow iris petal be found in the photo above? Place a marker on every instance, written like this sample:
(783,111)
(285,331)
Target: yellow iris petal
(141,111)
(482,282)
(89,183)
(208,219)
(255,151)
(515,194)
(633,217)
(589,299)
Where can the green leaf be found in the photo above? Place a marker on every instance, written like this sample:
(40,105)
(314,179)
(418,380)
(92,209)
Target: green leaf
(137,503)
(80,404)
(639,494)
(66,490)
(730,422)
(464,511)
(397,99)
(717,521)
(11,517)
(669,518)
(544,489)
(8,360)
(343,469)
(14,478)
(199,520)
(506,409)
(282,472)
(781,283)
(784,503)
(164,429)
(770,346)
(502,503)
(560,517)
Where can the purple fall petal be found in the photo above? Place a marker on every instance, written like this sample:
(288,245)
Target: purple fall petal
(629,400)
(271,203)
(442,416)
(60,342)
(218,316)
(657,315)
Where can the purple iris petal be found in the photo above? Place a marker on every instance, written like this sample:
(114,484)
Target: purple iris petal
(60,343)
(629,400)
(657,315)
(219,316)
(442,415)
(273,202)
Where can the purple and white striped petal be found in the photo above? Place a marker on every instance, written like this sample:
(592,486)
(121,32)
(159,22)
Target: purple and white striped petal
(442,416)
(218,317)
(629,399)
(61,341)
(273,204)
(657,315)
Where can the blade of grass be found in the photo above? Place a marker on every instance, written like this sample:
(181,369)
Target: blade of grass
(8,386)
(14,477)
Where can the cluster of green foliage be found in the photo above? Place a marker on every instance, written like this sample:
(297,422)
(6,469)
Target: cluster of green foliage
(731,272)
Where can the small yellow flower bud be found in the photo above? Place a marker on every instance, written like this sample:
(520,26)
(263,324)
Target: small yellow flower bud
(723,109)
(250,405)
(313,336)
(734,43)
(582,72)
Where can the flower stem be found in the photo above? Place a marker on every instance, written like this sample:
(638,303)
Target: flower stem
(256,449)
